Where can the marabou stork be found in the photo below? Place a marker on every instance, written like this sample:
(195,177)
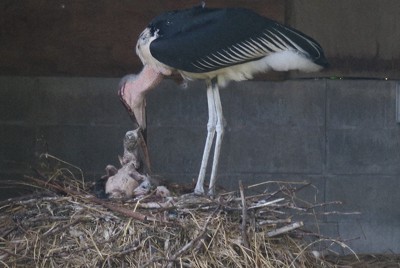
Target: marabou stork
(215,45)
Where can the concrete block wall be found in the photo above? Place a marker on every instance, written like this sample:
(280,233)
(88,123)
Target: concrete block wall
(79,120)
(339,134)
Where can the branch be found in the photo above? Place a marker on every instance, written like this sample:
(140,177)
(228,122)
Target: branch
(193,242)
(285,229)
(244,217)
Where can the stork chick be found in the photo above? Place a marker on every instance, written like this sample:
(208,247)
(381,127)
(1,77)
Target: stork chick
(123,183)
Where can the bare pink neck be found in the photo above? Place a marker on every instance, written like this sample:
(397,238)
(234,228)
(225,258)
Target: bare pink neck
(134,91)
(148,79)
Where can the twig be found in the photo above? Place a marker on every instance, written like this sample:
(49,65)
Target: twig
(193,242)
(278,182)
(60,228)
(285,229)
(14,255)
(267,203)
(47,155)
(266,222)
(244,217)
(134,247)
(124,211)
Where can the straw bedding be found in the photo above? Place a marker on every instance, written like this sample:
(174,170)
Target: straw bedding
(63,224)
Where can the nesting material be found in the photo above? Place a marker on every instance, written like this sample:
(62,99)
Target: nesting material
(64,225)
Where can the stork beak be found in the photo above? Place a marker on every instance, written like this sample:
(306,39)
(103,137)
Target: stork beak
(139,112)
(145,151)
(136,110)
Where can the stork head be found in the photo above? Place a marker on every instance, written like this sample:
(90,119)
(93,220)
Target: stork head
(133,89)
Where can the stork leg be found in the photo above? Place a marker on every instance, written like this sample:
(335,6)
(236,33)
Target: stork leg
(215,124)
(212,119)
(219,128)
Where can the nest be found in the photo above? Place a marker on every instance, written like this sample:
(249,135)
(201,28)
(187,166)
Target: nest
(64,225)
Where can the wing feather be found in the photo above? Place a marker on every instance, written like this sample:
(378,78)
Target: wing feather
(202,40)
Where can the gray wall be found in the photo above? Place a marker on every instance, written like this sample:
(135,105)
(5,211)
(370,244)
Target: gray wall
(339,134)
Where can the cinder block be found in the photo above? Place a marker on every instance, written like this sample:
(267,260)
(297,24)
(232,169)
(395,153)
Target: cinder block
(9,184)
(365,104)
(268,104)
(17,148)
(89,148)
(375,196)
(62,101)
(245,151)
(371,236)
(280,149)
(176,149)
(16,103)
(175,105)
(78,101)
(363,151)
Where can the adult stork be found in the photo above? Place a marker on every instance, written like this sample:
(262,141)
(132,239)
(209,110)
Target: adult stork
(215,45)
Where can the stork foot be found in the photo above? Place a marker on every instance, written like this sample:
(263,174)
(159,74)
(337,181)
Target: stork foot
(211,193)
(199,190)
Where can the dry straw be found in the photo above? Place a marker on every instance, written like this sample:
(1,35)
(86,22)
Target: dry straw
(63,225)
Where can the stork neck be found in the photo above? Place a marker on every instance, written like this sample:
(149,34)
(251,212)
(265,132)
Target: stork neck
(148,79)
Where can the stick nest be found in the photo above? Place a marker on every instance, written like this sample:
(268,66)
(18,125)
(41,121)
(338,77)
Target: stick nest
(64,225)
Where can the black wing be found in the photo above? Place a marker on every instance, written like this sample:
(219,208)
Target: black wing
(201,40)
